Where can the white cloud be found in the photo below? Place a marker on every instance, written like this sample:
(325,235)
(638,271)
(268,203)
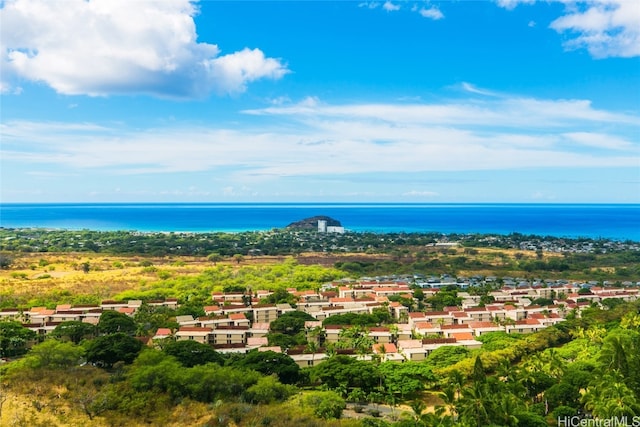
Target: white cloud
(232,72)
(103,47)
(606,28)
(390,7)
(511,4)
(369,4)
(5,88)
(600,140)
(468,87)
(505,112)
(431,13)
(280,100)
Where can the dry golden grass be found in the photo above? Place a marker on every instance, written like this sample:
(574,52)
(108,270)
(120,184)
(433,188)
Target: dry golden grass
(55,398)
(35,275)
(40,274)
(22,410)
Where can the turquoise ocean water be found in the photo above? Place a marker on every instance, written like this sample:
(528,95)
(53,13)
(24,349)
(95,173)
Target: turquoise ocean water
(614,221)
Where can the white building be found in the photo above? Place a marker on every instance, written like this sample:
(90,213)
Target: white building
(324,228)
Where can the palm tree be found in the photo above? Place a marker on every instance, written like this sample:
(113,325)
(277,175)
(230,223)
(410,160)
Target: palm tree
(528,380)
(318,334)
(312,348)
(448,396)
(510,376)
(418,407)
(458,380)
(614,354)
(609,397)
(363,346)
(404,317)
(475,407)
(381,353)
(330,350)
(356,337)
(622,402)
(393,330)
(506,408)
(554,365)
(437,418)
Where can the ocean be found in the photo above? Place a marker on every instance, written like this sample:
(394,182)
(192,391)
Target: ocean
(611,221)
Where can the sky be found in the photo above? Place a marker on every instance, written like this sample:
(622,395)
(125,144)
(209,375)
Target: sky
(507,101)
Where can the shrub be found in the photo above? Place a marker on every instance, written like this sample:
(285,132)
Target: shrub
(326,404)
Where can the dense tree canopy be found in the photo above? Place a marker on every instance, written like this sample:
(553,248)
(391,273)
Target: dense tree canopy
(291,323)
(14,339)
(406,379)
(377,317)
(53,354)
(191,353)
(112,322)
(74,331)
(269,363)
(347,372)
(107,350)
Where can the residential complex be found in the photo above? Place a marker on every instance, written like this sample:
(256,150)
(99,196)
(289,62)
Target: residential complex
(238,322)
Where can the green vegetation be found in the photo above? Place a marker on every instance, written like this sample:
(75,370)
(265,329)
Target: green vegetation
(191,353)
(74,331)
(101,375)
(378,317)
(392,252)
(229,278)
(14,339)
(584,365)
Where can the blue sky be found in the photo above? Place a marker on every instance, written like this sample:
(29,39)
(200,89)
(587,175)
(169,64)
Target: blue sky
(216,101)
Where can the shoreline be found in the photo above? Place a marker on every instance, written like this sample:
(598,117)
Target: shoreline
(618,222)
(444,236)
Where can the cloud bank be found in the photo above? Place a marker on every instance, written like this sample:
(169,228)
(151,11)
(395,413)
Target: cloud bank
(311,138)
(105,47)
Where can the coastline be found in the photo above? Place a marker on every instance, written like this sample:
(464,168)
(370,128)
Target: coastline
(609,221)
